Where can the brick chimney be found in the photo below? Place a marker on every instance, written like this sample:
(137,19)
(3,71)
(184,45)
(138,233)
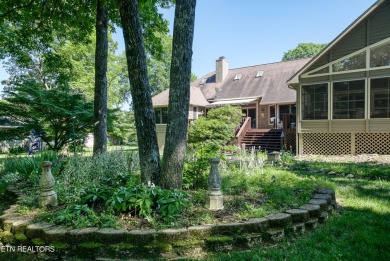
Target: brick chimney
(222,69)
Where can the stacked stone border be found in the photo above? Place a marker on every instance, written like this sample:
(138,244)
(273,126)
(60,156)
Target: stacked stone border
(16,230)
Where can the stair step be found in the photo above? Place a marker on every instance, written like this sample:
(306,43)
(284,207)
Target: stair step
(265,140)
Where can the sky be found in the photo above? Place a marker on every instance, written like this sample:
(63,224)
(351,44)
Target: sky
(253,32)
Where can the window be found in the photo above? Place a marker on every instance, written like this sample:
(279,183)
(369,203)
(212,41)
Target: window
(315,102)
(237,77)
(380,98)
(354,62)
(320,71)
(161,115)
(349,100)
(259,74)
(195,113)
(380,55)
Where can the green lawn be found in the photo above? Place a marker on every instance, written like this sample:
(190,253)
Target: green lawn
(360,230)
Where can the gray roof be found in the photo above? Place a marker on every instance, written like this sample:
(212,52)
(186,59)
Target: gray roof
(271,86)
(196,98)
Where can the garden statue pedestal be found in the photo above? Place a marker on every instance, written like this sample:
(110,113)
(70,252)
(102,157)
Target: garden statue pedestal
(46,183)
(214,197)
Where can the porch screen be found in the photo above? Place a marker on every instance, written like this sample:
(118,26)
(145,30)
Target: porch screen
(348,100)
(315,102)
(380,98)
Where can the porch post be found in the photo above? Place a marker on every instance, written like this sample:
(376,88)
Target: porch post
(257,114)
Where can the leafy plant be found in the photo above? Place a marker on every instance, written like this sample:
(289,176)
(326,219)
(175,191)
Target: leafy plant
(196,169)
(149,202)
(96,195)
(81,216)
(216,130)
(171,203)
(81,174)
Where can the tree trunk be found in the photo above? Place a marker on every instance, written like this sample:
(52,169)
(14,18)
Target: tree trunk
(140,91)
(100,97)
(179,95)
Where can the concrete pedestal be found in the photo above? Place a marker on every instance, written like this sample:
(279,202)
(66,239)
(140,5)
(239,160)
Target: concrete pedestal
(46,182)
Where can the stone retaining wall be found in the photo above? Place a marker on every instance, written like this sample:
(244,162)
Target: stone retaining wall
(16,230)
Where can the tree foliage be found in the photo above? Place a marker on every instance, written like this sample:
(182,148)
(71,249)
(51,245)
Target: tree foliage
(121,128)
(64,116)
(303,50)
(216,130)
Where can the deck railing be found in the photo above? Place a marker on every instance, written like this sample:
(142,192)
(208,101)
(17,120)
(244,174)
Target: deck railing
(245,127)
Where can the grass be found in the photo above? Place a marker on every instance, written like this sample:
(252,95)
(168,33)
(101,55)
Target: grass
(359,230)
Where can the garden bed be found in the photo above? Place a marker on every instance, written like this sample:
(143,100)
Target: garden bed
(59,241)
(103,195)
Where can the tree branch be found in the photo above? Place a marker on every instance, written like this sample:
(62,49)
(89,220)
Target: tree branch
(16,8)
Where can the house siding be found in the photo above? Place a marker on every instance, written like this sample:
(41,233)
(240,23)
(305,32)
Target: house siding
(379,24)
(349,136)
(370,31)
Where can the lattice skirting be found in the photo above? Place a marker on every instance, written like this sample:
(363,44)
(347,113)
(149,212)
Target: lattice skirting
(290,138)
(345,143)
(327,143)
(373,143)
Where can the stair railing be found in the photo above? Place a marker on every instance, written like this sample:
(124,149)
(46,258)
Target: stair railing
(246,126)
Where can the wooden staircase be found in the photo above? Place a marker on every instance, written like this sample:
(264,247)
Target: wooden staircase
(265,139)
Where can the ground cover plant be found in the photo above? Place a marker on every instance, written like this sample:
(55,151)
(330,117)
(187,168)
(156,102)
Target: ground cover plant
(105,190)
(358,231)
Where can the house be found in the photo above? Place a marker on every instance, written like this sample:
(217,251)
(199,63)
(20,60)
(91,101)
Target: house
(343,94)
(197,107)
(260,90)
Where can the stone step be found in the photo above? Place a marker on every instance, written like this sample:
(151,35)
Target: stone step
(279,220)
(314,210)
(320,202)
(298,215)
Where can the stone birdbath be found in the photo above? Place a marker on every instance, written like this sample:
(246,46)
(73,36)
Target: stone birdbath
(214,197)
(48,196)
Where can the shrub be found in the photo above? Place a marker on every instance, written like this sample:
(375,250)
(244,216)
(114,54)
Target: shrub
(196,168)
(82,174)
(216,130)
(17,150)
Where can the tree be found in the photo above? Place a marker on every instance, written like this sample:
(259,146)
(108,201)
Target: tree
(122,130)
(141,92)
(303,50)
(81,57)
(100,97)
(159,67)
(63,20)
(64,116)
(171,175)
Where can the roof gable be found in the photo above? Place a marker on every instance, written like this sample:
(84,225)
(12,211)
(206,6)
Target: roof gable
(366,30)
